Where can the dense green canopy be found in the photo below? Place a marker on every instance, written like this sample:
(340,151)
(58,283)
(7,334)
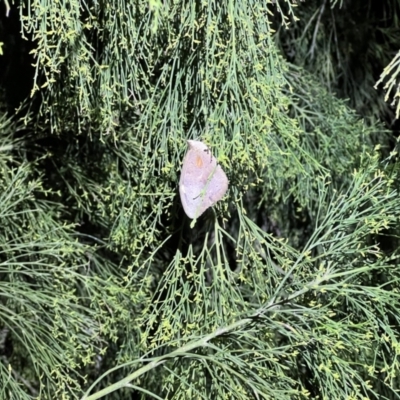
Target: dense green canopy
(288,288)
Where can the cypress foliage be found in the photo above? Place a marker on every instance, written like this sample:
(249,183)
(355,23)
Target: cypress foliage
(286,289)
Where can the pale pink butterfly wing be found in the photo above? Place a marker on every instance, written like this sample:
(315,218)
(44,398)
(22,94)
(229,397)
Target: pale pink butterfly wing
(202,182)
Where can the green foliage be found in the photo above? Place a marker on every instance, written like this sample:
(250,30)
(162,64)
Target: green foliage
(283,315)
(391,72)
(346,45)
(61,299)
(287,289)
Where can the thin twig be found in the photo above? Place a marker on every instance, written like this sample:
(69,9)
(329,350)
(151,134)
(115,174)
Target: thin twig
(8,8)
(312,48)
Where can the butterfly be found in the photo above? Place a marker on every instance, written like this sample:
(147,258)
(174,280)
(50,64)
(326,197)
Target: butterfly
(203,182)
